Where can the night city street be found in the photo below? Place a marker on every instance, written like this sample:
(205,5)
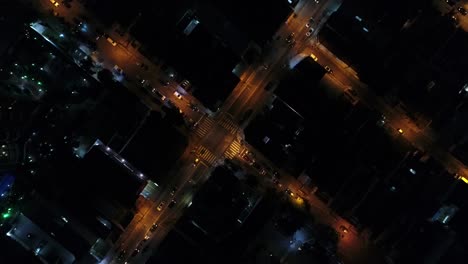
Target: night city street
(208,131)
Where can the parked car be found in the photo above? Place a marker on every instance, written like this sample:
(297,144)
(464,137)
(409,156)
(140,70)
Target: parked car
(158,94)
(153,227)
(290,37)
(462,11)
(172,203)
(160,206)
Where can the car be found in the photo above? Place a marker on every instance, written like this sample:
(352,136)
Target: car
(249,157)
(118,69)
(121,255)
(260,169)
(135,252)
(194,107)
(172,203)
(462,10)
(160,206)
(145,248)
(111,41)
(153,227)
(292,44)
(164,82)
(313,57)
(173,191)
(195,162)
(289,192)
(270,85)
(344,229)
(309,33)
(328,69)
(144,83)
(158,94)
(178,95)
(401,131)
(290,38)
(140,245)
(77,21)
(277,183)
(55,3)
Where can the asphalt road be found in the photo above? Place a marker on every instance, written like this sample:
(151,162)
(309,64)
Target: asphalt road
(218,134)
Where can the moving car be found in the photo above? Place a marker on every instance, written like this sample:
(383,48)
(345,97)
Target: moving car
(313,57)
(195,162)
(290,38)
(328,69)
(111,41)
(178,95)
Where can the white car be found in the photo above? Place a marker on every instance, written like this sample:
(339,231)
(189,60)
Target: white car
(178,95)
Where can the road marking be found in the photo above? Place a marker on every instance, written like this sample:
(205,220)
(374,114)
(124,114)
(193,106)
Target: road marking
(204,127)
(227,123)
(233,150)
(206,155)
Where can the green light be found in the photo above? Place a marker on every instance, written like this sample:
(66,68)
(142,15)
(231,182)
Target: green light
(39,83)
(6,215)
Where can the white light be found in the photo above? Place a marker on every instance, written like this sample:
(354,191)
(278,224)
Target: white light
(358,18)
(107,148)
(64,219)
(122,160)
(140,174)
(365,29)
(412,171)
(61,35)
(189,204)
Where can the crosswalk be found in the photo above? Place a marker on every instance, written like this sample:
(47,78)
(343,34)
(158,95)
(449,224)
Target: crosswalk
(206,155)
(205,126)
(233,149)
(227,123)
